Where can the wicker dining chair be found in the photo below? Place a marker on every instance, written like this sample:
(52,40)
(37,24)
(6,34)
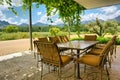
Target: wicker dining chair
(97,50)
(37,54)
(50,55)
(97,61)
(58,39)
(64,38)
(55,39)
(90,37)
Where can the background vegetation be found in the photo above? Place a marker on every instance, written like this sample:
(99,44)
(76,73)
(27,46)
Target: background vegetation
(70,13)
(100,28)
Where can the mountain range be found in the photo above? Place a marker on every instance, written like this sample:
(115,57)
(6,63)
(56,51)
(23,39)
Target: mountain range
(5,23)
(117,19)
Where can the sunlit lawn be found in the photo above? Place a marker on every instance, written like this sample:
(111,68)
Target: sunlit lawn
(23,35)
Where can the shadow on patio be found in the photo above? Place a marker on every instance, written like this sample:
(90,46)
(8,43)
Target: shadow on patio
(23,67)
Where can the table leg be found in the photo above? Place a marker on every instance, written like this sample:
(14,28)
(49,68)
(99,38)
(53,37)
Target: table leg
(78,66)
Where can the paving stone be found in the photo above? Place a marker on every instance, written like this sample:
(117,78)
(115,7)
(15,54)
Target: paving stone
(24,68)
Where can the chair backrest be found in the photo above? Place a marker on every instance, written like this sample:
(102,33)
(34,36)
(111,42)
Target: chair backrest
(44,39)
(49,53)
(64,38)
(113,45)
(55,39)
(104,53)
(90,37)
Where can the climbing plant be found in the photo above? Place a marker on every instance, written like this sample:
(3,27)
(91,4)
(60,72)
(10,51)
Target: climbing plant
(68,10)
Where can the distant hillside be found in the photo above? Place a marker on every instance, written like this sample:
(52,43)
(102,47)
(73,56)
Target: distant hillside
(40,24)
(4,23)
(60,25)
(23,25)
(117,18)
(85,22)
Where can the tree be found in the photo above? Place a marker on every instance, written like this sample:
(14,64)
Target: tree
(112,27)
(69,11)
(101,28)
(54,31)
(10,7)
(11,28)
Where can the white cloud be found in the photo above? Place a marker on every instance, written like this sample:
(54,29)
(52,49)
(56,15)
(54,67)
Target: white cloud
(44,18)
(108,10)
(23,21)
(52,12)
(107,13)
(14,3)
(4,6)
(39,13)
(91,16)
(2,16)
(10,20)
(58,21)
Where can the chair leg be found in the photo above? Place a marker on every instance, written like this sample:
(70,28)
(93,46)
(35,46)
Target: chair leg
(48,68)
(59,73)
(101,70)
(41,70)
(107,72)
(37,56)
(115,50)
(34,55)
(75,71)
(85,68)
(109,60)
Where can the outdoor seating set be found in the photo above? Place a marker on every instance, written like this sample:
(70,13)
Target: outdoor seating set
(49,51)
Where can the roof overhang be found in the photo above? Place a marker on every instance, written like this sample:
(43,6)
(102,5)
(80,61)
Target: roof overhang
(88,4)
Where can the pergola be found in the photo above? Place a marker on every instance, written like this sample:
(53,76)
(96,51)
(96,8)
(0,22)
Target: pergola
(88,4)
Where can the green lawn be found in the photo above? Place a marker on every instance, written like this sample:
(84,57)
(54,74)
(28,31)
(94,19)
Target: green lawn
(22,35)
(73,36)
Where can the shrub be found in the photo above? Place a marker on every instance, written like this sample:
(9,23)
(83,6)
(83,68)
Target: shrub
(76,39)
(118,41)
(11,28)
(54,31)
(103,40)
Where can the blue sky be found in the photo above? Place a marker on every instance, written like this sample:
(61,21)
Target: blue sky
(39,14)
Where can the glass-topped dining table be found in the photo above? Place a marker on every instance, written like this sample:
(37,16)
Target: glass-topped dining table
(80,46)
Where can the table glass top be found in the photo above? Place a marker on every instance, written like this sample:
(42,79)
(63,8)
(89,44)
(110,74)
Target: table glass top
(77,44)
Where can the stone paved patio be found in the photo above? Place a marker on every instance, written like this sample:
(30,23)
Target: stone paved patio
(23,67)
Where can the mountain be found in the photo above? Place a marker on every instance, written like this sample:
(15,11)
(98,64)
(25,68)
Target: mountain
(40,24)
(23,25)
(60,25)
(117,19)
(4,23)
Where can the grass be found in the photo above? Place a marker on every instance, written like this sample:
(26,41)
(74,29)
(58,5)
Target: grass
(73,36)
(22,35)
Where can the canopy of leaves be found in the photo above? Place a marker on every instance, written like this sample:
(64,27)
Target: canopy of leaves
(11,28)
(101,28)
(65,8)
(54,31)
(9,2)
(69,11)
